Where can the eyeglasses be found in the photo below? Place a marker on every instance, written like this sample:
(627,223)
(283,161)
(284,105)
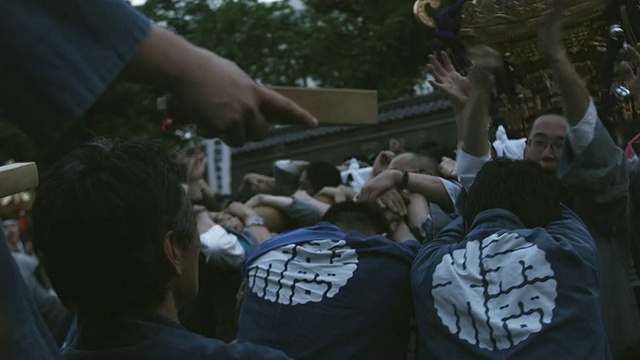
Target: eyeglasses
(538,144)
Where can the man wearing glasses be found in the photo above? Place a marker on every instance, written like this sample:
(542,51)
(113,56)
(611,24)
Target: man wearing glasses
(578,149)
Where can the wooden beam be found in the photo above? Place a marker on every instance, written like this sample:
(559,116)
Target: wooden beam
(18,177)
(335,106)
(329,106)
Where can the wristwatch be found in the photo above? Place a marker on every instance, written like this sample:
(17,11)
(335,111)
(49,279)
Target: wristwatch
(255,221)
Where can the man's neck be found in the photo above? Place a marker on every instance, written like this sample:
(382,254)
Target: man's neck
(168,309)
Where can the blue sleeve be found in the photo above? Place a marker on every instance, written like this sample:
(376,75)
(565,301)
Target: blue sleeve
(634,181)
(461,201)
(424,232)
(599,182)
(451,235)
(572,234)
(597,169)
(59,56)
(412,246)
(302,214)
(28,336)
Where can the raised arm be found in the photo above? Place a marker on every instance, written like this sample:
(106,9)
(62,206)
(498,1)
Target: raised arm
(593,165)
(573,90)
(474,148)
(475,137)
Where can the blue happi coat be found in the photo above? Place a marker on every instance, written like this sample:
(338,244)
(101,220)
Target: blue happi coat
(507,292)
(318,293)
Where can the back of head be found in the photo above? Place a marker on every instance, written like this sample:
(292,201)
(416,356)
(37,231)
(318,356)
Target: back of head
(100,220)
(320,174)
(519,186)
(362,217)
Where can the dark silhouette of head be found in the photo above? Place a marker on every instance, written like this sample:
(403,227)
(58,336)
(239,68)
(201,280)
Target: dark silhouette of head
(318,175)
(116,230)
(522,187)
(362,217)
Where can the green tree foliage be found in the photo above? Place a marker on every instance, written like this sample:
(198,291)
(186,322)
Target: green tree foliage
(14,144)
(268,41)
(370,44)
(124,111)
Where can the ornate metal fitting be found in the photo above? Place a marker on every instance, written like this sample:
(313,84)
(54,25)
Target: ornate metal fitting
(421,12)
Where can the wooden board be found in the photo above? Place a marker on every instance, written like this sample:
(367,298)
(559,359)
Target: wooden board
(329,106)
(336,106)
(18,177)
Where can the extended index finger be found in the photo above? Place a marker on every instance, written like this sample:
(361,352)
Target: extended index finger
(278,109)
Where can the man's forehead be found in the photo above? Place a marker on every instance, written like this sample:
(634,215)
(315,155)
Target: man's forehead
(549,126)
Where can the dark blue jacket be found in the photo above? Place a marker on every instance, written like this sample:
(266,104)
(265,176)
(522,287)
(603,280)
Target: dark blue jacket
(58,57)
(507,292)
(151,336)
(318,293)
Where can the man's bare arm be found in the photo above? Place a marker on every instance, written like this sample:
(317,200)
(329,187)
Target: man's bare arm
(573,90)
(475,139)
(429,186)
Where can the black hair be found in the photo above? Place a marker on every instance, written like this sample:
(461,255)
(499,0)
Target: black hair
(100,219)
(321,174)
(358,216)
(522,187)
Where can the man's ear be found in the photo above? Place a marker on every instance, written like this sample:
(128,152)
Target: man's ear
(173,252)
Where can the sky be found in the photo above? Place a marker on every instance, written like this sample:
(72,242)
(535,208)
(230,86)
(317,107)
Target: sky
(140,2)
(296,4)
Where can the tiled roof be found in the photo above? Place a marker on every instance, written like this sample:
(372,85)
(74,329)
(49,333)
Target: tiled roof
(388,111)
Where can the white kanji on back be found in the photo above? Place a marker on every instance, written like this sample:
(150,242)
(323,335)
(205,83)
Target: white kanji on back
(496,292)
(300,273)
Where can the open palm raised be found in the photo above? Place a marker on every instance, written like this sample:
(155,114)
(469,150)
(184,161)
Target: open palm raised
(446,79)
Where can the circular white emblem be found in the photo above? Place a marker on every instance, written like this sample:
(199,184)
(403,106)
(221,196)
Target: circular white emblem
(495,292)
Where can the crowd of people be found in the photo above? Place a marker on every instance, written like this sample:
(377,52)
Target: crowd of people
(517,249)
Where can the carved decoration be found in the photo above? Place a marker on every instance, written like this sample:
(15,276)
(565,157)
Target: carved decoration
(525,89)
(422,13)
